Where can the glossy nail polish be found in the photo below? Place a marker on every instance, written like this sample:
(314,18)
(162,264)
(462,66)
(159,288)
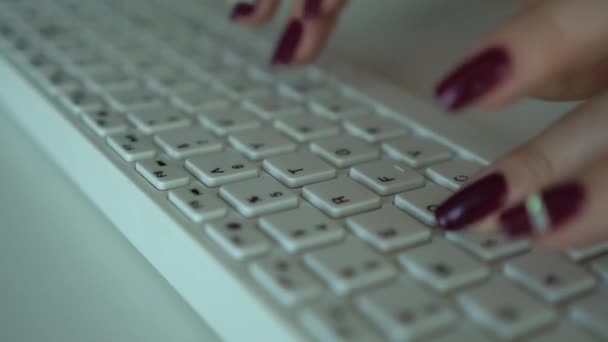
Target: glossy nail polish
(312,8)
(473,203)
(474,79)
(288,43)
(541,214)
(242,10)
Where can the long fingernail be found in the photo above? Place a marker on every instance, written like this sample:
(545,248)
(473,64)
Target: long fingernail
(288,43)
(312,8)
(473,202)
(473,79)
(242,10)
(541,214)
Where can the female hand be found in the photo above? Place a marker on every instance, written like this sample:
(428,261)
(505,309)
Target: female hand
(555,187)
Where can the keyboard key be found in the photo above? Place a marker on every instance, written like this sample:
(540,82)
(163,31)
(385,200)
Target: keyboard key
(333,321)
(422,203)
(341,197)
(337,107)
(242,87)
(219,168)
(285,280)
(259,196)
(506,310)
(350,266)
(578,254)
(592,312)
(156,119)
(187,142)
(162,173)
(600,265)
(301,228)
(416,152)
(551,276)
(454,173)
(240,239)
(223,121)
(386,178)
(305,128)
(489,246)
(198,203)
(421,314)
(299,169)
(261,143)
(274,107)
(564,331)
(199,100)
(134,98)
(373,128)
(105,122)
(388,229)
(443,266)
(344,151)
(132,146)
(464,333)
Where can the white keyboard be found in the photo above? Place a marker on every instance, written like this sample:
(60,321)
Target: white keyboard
(283,205)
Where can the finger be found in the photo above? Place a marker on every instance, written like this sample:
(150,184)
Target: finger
(566,215)
(563,149)
(544,40)
(256,12)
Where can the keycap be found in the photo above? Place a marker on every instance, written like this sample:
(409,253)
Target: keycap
(465,333)
(333,321)
(564,331)
(198,100)
(344,151)
(259,196)
(420,315)
(226,120)
(298,169)
(422,202)
(162,173)
(198,203)
(132,146)
(489,246)
(387,178)
(592,312)
(373,128)
(134,98)
(505,309)
(550,275)
(105,122)
(388,229)
(261,143)
(443,266)
(600,265)
(301,228)
(81,98)
(341,197)
(274,107)
(219,168)
(416,152)
(156,119)
(240,239)
(578,254)
(186,142)
(336,107)
(240,86)
(350,266)
(305,128)
(454,173)
(285,279)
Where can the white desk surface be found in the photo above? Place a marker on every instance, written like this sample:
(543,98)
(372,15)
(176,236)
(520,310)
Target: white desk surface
(67,275)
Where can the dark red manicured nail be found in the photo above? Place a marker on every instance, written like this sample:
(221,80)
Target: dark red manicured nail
(312,8)
(473,79)
(288,43)
(242,10)
(473,202)
(545,213)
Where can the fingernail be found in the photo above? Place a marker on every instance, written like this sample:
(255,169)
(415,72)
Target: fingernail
(541,214)
(312,8)
(242,10)
(473,202)
(288,43)
(473,79)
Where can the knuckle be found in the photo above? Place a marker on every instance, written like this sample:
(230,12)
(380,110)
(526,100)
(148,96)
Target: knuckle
(535,165)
